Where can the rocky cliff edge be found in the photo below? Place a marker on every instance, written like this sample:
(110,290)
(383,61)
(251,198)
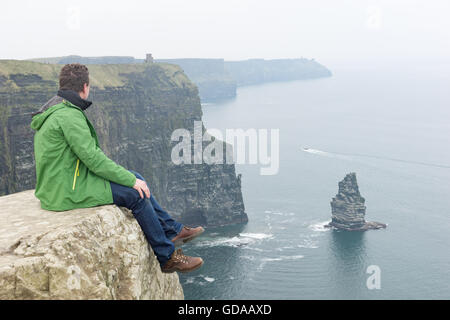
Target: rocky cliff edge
(94,253)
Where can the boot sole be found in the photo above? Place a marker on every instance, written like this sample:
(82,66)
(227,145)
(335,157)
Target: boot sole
(180,242)
(183,271)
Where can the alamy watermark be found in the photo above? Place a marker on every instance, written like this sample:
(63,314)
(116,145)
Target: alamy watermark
(73,19)
(74,278)
(374,280)
(374,18)
(261,149)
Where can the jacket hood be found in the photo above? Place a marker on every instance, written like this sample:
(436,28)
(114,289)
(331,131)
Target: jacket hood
(47,109)
(39,118)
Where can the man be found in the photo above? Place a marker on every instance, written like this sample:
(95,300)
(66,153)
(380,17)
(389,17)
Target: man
(73,172)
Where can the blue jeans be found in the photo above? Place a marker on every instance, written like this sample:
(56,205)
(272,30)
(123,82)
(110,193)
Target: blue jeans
(158,227)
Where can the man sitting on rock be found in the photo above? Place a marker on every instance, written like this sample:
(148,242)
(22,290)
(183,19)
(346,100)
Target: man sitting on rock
(73,172)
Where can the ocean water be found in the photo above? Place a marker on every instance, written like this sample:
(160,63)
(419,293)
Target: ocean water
(391,125)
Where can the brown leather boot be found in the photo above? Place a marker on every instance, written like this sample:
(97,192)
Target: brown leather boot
(187,234)
(179,262)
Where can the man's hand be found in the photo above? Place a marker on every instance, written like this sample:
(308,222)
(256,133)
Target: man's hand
(142,188)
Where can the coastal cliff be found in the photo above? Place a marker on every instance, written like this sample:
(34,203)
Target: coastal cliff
(136,109)
(348,207)
(214,82)
(94,253)
(218,79)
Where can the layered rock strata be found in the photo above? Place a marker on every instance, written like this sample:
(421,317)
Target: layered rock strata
(348,207)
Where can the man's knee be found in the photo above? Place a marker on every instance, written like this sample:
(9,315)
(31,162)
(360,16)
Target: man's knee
(126,197)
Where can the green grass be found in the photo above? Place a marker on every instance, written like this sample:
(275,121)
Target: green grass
(101,76)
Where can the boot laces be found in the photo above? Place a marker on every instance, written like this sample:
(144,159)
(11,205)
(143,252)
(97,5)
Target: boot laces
(180,257)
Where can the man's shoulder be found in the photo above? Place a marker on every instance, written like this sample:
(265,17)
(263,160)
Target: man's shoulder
(66,111)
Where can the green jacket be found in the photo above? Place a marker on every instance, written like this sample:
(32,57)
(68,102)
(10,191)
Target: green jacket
(71,169)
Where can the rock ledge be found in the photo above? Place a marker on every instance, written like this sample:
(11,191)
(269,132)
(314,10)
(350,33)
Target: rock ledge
(94,253)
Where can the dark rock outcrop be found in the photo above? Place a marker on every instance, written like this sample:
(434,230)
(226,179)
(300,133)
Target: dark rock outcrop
(348,208)
(136,109)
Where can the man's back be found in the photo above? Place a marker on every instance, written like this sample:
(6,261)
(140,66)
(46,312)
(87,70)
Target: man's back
(61,181)
(71,170)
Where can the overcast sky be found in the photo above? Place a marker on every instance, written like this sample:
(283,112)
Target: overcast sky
(327,30)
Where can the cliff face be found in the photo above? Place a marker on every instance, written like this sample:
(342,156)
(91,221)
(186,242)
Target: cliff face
(95,253)
(218,79)
(136,109)
(348,209)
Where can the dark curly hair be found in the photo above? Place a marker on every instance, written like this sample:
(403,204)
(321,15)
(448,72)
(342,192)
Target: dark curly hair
(73,77)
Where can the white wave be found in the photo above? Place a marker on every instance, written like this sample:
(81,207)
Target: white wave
(320,226)
(292,257)
(308,243)
(280,258)
(189,280)
(277,213)
(261,266)
(209,279)
(255,249)
(352,156)
(258,236)
(286,247)
(242,240)
(315,151)
(271,259)
(288,220)
(325,154)
(282,213)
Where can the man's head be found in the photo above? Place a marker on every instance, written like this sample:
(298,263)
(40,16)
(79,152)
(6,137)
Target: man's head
(75,77)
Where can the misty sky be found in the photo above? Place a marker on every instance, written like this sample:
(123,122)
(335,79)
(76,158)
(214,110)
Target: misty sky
(327,30)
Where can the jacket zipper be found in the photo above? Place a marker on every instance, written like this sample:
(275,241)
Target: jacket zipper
(76,174)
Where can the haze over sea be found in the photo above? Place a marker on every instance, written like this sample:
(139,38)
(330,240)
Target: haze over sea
(388,123)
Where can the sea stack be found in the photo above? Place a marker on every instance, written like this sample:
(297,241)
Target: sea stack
(348,209)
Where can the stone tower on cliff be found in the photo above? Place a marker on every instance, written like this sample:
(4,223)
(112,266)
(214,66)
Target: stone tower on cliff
(148,58)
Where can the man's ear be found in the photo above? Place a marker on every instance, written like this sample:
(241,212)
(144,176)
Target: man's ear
(84,92)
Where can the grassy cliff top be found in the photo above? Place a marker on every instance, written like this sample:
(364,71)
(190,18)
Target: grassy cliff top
(106,75)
